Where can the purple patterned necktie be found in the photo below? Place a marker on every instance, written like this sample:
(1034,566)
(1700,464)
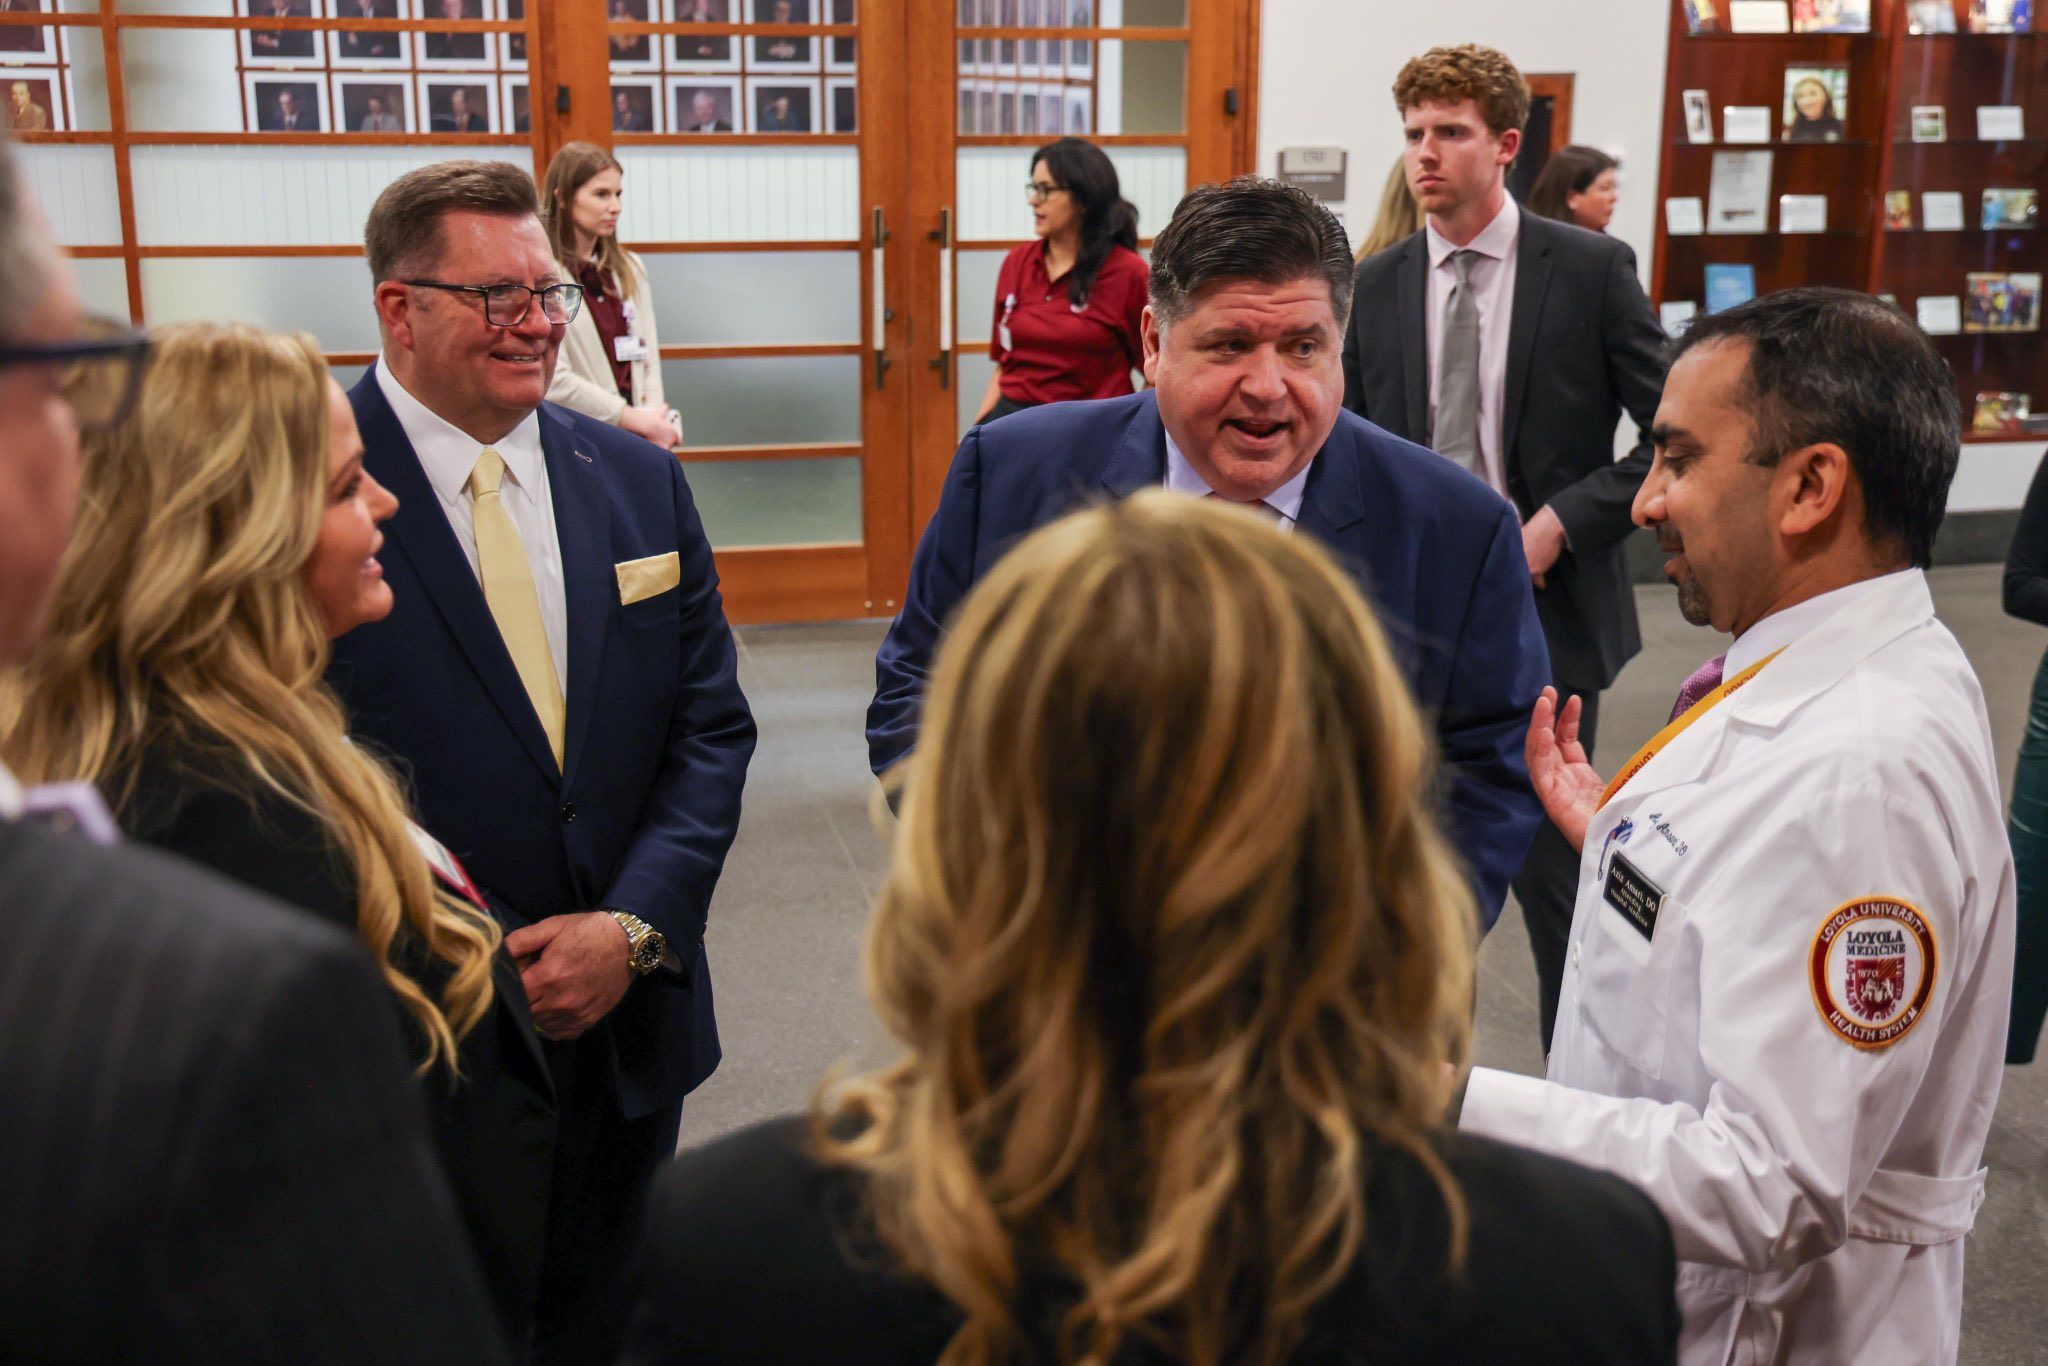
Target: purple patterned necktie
(1702,681)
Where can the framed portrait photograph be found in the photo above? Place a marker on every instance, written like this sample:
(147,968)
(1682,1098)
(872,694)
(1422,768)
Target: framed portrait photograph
(456,51)
(517,102)
(2015,208)
(630,51)
(967,123)
(775,52)
(842,104)
(709,52)
(700,104)
(840,53)
(35,99)
(373,104)
(512,46)
(27,42)
(275,102)
(357,47)
(1080,111)
(636,106)
(1831,16)
(458,105)
(1006,109)
(1080,52)
(1052,109)
(1699,117)
(2002,301)
(282,46)
(1816,102)
(776,104)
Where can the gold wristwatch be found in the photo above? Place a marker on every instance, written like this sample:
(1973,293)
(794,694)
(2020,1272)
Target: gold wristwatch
(644,944)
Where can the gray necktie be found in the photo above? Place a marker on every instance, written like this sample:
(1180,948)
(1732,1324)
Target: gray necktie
(1456,433)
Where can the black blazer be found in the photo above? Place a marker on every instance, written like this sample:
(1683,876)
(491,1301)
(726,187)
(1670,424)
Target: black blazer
(1583,347)
(210,1146)
(495,1126)
(755,1253)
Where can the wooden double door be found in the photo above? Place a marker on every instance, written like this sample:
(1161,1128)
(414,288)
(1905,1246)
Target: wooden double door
(824,257)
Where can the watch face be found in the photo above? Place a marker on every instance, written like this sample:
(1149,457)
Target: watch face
(647,957)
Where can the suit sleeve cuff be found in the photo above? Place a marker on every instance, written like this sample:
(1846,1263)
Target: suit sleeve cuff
(1504,1105)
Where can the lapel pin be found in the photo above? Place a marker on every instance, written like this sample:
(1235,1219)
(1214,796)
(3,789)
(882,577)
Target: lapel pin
(584,458)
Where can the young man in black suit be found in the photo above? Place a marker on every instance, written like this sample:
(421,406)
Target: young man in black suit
(1511,345)
(213,1149)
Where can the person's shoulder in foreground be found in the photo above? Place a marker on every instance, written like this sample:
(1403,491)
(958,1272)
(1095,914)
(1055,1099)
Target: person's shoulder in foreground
(215,1152)
(778,1265)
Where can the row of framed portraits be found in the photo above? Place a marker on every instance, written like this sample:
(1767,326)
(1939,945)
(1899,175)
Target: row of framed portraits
(1027,57)
(1025,13)
(378,102)
(301,48)
(988,107)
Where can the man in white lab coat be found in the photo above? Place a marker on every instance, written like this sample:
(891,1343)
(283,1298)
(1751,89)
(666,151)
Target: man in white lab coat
(1791,952)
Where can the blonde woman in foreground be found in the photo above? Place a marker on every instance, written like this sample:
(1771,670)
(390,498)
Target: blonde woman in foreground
(225,531)
(1180,966)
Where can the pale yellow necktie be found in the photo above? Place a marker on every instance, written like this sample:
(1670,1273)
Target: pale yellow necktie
(515,603)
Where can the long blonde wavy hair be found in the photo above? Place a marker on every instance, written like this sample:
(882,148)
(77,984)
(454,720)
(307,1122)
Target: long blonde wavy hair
(1169,936)
(181,615)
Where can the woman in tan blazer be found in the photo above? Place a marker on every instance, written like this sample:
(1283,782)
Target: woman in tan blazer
(610,363)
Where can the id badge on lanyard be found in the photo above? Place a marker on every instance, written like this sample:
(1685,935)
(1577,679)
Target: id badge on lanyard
(448,869)
(1003,327)
(627,347)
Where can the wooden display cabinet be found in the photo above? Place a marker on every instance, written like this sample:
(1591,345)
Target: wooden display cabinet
(1891,73)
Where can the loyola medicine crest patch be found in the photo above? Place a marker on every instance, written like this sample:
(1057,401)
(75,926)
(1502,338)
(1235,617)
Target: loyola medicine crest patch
(1873,969)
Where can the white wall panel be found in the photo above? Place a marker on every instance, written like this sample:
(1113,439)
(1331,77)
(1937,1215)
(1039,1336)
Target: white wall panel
(989,189)
(75,185)
(740,194)
(265,196)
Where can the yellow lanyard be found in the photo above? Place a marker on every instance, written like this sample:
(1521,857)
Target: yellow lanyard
(1678,724)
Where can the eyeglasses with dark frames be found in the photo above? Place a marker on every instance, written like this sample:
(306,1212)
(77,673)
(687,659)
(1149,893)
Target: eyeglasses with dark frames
(1038,193)
(100,375)
(508,305)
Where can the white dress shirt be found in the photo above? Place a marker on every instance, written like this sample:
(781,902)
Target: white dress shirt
(1493,289)
(448,455)
(1780,629)
(1285,500)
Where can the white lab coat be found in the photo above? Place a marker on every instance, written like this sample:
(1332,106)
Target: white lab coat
(1818,1190)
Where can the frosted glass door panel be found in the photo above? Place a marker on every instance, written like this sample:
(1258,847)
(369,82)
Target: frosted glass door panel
(756,296)
(103,285)
(1142,87)
(988,188)
(777,502)
(970,383)
(328,296)
(75,186)
(273,196)
(766,401)
(182,80)
(974,296)
(740,194)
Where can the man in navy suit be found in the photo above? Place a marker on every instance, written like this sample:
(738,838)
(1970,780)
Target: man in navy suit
(559,680)
(1251,282)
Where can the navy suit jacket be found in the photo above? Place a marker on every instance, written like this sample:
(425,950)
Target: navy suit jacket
(1437,552)
(658,733)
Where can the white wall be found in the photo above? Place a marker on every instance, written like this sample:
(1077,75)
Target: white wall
(1326,75)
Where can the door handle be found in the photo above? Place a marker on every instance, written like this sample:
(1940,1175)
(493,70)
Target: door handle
(883,314)
(943,362)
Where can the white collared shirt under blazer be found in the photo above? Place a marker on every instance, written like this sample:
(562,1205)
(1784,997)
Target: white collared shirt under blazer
(1818,1188)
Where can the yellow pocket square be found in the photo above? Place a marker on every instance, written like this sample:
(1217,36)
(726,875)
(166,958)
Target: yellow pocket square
(644,578)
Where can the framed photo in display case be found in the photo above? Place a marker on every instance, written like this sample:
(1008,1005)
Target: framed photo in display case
(780,52)
(380,103)
(282,102)
(778,104)
(458,104)
(517,102)
(704,104)
(1816,102)
(842,104)
(282,46)
(456,51)
(27,42)
(35,99)
(369,47)
(840,53)
(636,106)
(630,51)
(513,45)
(703,52)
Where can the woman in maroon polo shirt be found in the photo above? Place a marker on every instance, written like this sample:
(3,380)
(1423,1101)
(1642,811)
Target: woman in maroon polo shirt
(1068,305)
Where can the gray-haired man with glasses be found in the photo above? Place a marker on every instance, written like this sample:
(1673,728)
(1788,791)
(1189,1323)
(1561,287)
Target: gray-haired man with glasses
(558,676)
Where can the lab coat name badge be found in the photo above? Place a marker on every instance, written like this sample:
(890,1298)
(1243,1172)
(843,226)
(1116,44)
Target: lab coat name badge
(1636,897)
(1872,970)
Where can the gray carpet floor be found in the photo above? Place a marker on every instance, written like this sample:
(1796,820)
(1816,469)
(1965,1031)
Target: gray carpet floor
(786,923)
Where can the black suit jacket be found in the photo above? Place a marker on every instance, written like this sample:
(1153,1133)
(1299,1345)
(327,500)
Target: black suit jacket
(755,1253)
(1584,346)
(494,1127)
(213,1150)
